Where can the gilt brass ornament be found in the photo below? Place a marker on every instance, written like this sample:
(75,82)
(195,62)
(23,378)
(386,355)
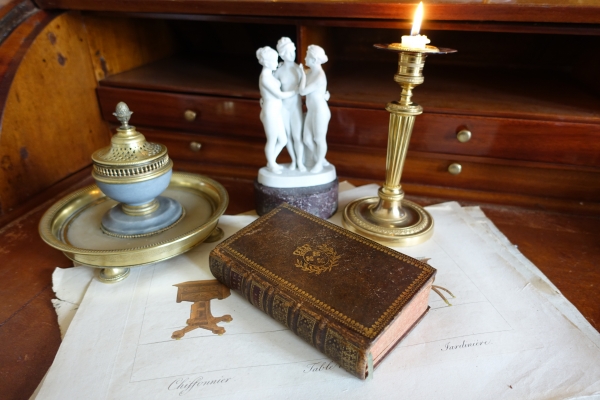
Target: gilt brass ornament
(389,218)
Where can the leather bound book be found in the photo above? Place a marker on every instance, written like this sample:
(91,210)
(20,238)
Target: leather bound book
(350,297)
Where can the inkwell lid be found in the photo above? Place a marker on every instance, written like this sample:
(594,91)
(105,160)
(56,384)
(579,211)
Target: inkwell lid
(129,158)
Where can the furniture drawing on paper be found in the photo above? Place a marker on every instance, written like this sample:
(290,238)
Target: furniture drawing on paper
(511,121)
(201,293)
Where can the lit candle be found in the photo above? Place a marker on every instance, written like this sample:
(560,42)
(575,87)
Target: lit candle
(415,40)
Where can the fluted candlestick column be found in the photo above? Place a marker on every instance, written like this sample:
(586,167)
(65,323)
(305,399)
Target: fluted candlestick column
(389,218)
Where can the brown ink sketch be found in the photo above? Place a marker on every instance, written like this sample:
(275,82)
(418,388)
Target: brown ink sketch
(201,293)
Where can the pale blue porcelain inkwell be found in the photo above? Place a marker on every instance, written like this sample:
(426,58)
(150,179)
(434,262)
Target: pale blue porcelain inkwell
(135,172)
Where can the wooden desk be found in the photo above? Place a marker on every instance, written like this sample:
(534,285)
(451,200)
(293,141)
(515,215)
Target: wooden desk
(565,247)
(533,163)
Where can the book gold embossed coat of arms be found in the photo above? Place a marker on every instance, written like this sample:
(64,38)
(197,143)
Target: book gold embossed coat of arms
(351,298)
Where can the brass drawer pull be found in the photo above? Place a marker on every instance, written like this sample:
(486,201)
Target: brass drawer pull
(189,115)
(455,168)
(464,136)
(195,146)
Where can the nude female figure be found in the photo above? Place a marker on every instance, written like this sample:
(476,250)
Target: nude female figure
(313,85)
(289,76)
(271,107)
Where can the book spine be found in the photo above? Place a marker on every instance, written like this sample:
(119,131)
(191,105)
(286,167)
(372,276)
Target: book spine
(329,338)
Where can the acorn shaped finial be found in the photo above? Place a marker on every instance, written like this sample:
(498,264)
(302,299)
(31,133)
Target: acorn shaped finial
(123,114)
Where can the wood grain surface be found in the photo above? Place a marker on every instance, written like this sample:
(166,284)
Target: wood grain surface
(118,44)
(572,11)
(14,48)
(29,334)
(13,13)
(51,121)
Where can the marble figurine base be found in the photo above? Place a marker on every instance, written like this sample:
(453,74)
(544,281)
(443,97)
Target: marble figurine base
(295,179)
(318,200)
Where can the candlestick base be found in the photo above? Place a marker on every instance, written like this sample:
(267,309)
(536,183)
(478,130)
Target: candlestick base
(411,225)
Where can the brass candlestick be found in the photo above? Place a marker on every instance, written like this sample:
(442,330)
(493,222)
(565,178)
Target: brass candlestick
(389,218)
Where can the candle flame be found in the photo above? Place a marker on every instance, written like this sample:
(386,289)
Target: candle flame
(417,20)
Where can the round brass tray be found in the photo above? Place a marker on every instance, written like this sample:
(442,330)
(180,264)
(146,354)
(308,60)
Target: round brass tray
(72,225)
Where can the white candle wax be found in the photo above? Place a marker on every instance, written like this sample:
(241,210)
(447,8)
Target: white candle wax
(415,41)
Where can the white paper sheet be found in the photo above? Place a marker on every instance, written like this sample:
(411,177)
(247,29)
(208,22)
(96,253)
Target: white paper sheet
(501,338)
(69,285)
(487,230)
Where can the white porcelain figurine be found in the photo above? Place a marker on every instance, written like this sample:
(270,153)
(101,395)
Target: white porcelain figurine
(313,85)
(271,104)
(309,182)
(289,75)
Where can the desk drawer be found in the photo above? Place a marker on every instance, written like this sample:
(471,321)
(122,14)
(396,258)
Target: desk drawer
(206,149)
(528,140)
(213,114)
(476,174)
(421,168)
(502,138)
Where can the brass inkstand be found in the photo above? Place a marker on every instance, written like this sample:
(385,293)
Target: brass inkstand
(135,172)
(138,212)
(389,218)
